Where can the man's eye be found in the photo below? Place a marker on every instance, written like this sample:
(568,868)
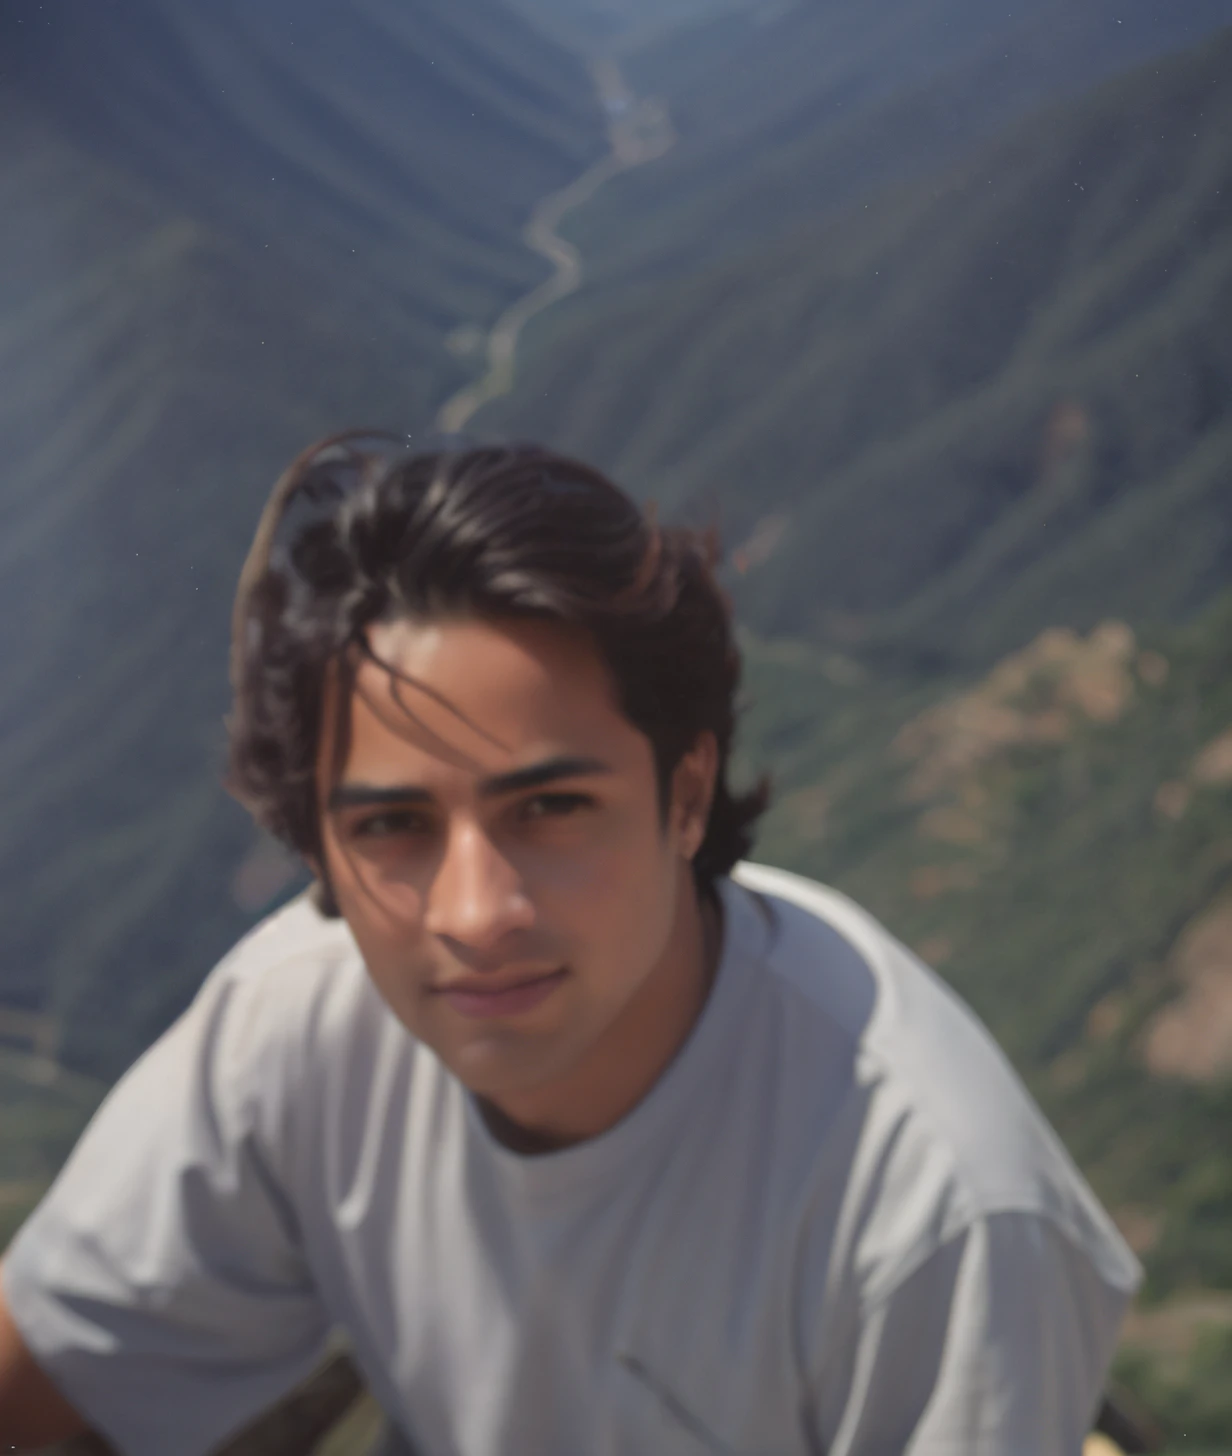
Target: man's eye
(553,806)
(391,823)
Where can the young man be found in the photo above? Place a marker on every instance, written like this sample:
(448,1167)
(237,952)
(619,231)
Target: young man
(591,1139)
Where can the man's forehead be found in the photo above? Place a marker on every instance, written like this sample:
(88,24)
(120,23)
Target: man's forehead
(450,645)
(444,697)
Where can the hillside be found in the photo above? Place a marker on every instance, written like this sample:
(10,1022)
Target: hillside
(976,405)
(230,229)
(790,112)
(389,152)
(40,1119)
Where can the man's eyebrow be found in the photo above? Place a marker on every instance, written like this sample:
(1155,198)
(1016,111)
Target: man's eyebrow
(367,796)
(565,766)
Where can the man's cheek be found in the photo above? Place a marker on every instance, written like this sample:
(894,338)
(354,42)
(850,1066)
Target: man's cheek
(612,866)
(396,959)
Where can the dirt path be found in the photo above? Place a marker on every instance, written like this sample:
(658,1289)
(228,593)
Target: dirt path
(639,130)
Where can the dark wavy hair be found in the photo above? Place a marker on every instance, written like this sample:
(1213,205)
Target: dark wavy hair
(357,532)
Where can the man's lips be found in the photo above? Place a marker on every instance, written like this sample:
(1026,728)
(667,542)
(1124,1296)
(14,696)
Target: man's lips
(474,998)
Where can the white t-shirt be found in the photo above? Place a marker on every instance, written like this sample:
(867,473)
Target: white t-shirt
(836,1224)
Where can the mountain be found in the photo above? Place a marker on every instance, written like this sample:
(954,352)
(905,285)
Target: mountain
(964,409)
(389,150)
(229,229)
(787,113)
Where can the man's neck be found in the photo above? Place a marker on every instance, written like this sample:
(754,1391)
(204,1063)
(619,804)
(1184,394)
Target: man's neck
(634,1051)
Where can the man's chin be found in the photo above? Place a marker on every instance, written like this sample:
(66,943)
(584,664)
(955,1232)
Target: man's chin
(498,1065)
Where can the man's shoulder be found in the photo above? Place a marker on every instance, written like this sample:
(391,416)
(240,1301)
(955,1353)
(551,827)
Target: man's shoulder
(944,1118)
(294,982)
(916,1048)
(296,933)
(840,964)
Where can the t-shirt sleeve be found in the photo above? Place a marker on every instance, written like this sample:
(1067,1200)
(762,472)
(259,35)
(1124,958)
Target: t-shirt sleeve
(998,1344)
(161,1283)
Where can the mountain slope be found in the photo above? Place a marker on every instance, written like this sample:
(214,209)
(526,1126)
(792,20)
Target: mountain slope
(974,406)
(788,113)
(173,326)
(392,150)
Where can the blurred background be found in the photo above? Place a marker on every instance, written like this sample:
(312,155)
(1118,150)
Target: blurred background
(927,304)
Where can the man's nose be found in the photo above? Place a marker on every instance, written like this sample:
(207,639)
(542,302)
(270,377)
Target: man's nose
(477,896)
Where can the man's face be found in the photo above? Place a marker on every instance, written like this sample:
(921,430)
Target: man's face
(495,841)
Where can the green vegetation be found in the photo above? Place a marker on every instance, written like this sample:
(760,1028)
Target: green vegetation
(41,1115)
(1194,1404)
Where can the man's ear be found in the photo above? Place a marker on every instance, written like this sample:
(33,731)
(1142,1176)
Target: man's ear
(693,784)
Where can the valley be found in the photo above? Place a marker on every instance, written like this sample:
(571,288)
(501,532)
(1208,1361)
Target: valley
(639,131)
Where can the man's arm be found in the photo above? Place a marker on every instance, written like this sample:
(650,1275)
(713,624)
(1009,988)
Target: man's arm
(997,1345)
(169,1243)
(33,1413)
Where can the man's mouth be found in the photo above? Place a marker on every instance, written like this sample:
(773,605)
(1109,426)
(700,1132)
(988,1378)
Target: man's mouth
(477,997)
